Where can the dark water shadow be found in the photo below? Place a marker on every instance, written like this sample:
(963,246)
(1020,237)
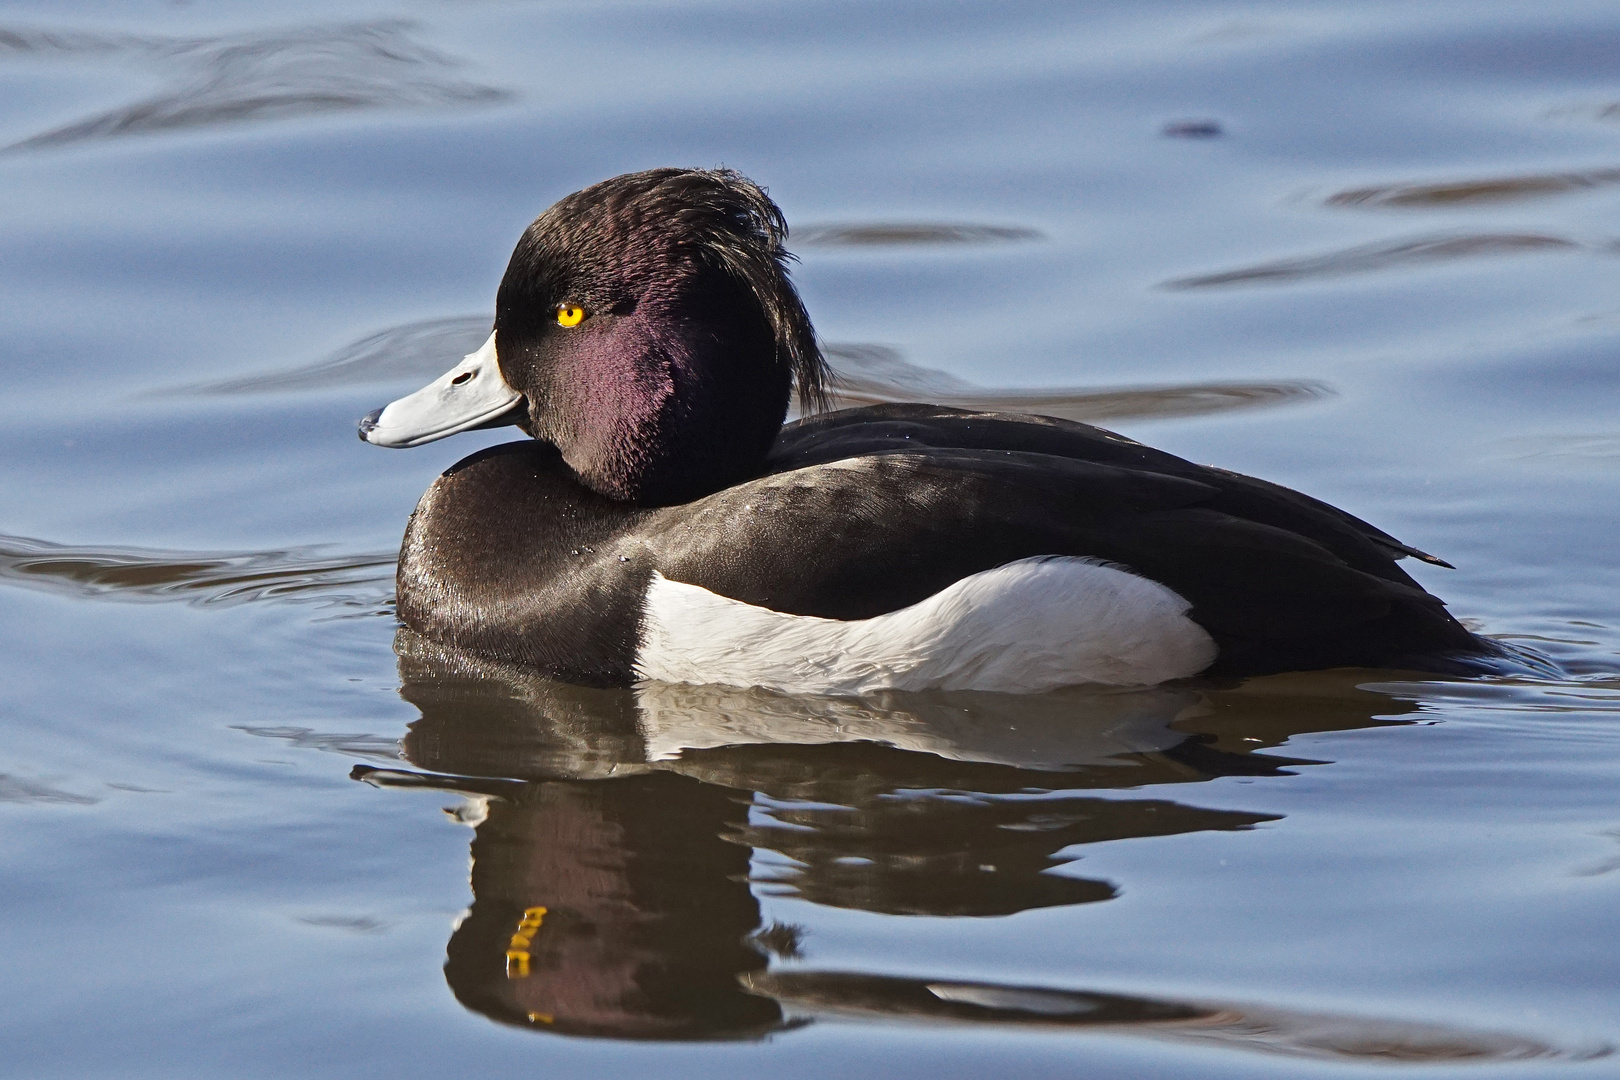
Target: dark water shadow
(623,837)
(1467,193)
(873,374)
(418,350)
(256,76)
(1598,694)
(350,744)
(349,924)
(197,577)
(1199,128)
(910,234)
(1261,1029)
(1381,256)
(15,789)
(1608,113)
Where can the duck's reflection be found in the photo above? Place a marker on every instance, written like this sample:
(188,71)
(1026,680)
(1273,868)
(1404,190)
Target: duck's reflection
(623,835)
(612,909)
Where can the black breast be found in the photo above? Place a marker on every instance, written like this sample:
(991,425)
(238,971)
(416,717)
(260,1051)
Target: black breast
(508,555)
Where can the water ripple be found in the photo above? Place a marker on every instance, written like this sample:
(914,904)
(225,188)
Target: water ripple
(363,744)
(262,75)
(1583,448)
(1262,1029)
(202,578)
(910,234)
(1383,255)
(350,924)
(17,790)
(418,350)
(872,374)
(1494,189)
(1192,129)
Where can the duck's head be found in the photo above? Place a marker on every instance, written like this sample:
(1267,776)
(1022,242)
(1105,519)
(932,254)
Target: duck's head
(646,327)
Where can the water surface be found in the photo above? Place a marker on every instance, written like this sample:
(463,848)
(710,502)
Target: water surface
(1368,250)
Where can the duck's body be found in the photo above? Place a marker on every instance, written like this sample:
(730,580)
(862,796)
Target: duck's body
(902,546)
(865,512)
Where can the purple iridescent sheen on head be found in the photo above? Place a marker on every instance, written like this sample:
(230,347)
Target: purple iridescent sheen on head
(678,379)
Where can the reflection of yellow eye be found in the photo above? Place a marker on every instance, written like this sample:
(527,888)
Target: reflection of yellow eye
(570,314)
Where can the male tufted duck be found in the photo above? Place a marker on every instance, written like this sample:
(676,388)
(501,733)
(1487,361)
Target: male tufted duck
(662,523)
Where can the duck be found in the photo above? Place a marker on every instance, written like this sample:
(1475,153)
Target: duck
(663,520)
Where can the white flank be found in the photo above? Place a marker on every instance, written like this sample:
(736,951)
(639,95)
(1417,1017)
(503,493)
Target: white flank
(1025,627)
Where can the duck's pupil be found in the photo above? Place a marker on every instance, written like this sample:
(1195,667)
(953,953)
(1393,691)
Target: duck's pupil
(459,379)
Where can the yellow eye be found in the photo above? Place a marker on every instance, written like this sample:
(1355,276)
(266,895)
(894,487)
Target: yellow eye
(570,314)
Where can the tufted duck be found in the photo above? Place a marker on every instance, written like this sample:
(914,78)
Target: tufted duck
(662,523)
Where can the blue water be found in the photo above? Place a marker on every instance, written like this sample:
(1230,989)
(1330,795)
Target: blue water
(1367,250)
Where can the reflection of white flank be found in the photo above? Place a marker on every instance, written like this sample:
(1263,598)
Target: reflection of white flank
(1049,731)
(472,811)
(1016,999)
(1025,627)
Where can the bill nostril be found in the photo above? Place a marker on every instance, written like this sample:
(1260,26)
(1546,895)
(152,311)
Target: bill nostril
(464,377)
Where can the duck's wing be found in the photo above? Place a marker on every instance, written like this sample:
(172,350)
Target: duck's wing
(862,536)
(1276,494)
(897,427)
(887,428)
